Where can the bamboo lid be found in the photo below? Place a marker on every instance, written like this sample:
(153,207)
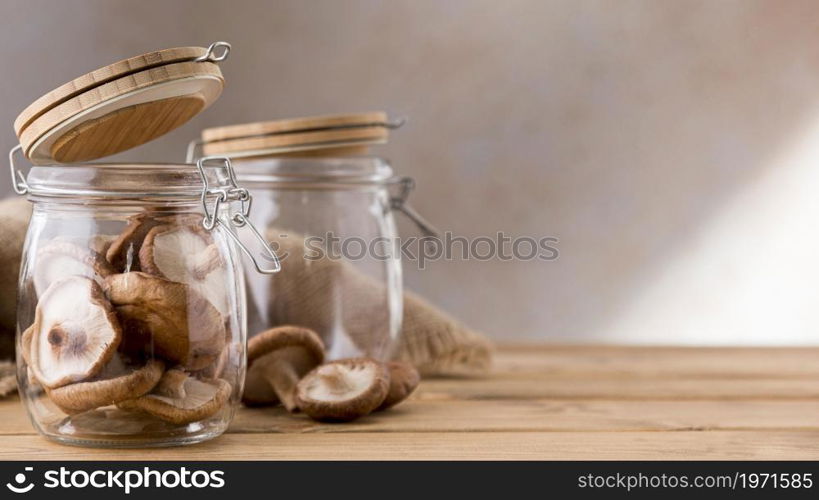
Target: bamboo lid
(331,135)
(122,105)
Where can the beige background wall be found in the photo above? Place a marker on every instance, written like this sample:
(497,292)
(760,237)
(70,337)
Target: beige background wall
(671,146)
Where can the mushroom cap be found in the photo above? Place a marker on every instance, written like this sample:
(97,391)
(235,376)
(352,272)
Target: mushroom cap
(25,344)
(187,254)
(404,378)
(182,399)
(61,258)
(170,318)
(100,243)
(301,348)
(76,332)
(172,383)
(25,354)
(128,384)
(343,390)
(123,252)
(228,357)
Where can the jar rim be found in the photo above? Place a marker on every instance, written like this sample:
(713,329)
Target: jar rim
(121,181)
(313,172)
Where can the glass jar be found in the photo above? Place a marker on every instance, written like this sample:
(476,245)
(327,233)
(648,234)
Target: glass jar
(131,306)
(331,222)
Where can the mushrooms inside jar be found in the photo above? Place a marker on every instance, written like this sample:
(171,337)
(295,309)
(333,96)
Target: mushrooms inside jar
(137,322)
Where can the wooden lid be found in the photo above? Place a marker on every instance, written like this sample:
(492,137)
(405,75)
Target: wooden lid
(314,136)
(120,106)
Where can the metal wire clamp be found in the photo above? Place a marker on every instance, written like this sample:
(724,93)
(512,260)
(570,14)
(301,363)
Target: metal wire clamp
(399,202)
(233,193)
(18,180)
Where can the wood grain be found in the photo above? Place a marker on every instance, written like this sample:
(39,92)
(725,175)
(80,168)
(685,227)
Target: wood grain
(523,386)
(716,445)
(291,125)
(115,131)
(311,136)
(518,416)
(129,132)
(101,76)
(555,402)
(550,416)
(302,140)
(710,362)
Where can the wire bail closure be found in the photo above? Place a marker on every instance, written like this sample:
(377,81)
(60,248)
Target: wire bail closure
(399,203)
(233,193)
(18,180)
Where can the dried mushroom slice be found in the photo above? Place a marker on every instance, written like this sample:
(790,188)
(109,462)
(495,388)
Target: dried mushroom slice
(25,353)
(343,390)
(404,378)
(114,385)
(182,399)
(181,219)
(172,384)
(228,357)
(76,332)
(187,254)
(123,252)
(34,384)
(167,319)
(25,344)
(60,259)
(277,359)
(100,243)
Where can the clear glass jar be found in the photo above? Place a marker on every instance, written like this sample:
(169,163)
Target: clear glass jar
(330,220)
(131,314)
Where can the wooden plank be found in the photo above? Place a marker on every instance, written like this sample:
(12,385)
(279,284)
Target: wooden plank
(520,416)
(699,362)
(554,402)
(541,386)
(549,416)
(716,445)
(13,418)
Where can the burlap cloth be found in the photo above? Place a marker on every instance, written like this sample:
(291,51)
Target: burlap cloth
(312,293)
(14,215)
(430,339)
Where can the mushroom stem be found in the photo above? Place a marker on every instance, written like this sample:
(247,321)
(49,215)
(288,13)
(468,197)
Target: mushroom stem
(283,377)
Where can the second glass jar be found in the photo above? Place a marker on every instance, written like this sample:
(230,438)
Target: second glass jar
(331,222)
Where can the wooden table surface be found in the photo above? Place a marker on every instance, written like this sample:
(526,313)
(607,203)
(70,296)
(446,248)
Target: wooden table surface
(540,402)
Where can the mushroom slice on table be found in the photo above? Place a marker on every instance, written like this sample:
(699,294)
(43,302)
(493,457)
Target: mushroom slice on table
(343,390)
(277,359)
(182,399)
(187,254)
(76,332)
(112,386)
(167,319)
(61,258)
(404,378)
